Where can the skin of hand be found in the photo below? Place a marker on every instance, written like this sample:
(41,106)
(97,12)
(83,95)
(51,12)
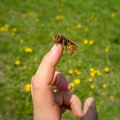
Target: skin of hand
(49,105)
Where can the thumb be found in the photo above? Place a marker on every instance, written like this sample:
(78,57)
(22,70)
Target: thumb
(90,112)
(41,81)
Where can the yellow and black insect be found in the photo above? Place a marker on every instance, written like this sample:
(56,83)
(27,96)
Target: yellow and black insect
(70,46)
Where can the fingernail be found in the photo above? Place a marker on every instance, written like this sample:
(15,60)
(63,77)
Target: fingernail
(79,112)
(69,87)
(91,103)
(53,47)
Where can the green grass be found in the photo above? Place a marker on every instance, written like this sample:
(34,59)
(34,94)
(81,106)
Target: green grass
(104,30)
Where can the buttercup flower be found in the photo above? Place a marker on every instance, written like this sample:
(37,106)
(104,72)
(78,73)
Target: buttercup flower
(92,69)
(111,97)
(90,80)
(72,84)
(92,86)
(60,17)
(14,30)
(24,67)
(4,28)
(98,72)
(91,42)
(113,14)
(86,42)
(92,74)
(31,14)
(28,50)
(77,72)
(78,26)
(21,41)
(77,81)
(70,71)
(104,86)
(6,25)
(106,50)
(93,17)
(28,87)
(17,62)
(37,20)
(106,69)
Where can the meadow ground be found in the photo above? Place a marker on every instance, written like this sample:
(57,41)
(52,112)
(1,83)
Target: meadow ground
(26,30)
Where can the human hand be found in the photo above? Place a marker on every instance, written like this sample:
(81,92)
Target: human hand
(49,105)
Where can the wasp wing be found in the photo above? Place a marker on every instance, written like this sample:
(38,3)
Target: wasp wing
(73,43)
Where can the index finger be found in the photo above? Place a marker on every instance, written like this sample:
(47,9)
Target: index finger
(46,69)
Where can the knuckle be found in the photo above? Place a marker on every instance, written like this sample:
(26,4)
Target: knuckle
(33,78)
(77,99)
(35,81)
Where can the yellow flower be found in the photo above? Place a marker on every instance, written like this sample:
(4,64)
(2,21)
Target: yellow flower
(21,41)
(37,20)
(13,33)
(6,25)
(113,14)
(90,80)
(92,69)
(70,71)
(60,17)
(77,81)
(91,42)
(78,26)
(31,14)
(98,72)
(92,86)
(106,50)
(92,74)
(72,84)
(3,29)
(111,97)
(93,17)
(107,69)
(17,62)
(28,50)
(104,86)
(77,72)
(86,42)
(14,30)
(28,87)
(24,67)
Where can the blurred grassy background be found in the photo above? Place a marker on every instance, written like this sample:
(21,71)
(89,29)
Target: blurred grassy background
(26,31)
